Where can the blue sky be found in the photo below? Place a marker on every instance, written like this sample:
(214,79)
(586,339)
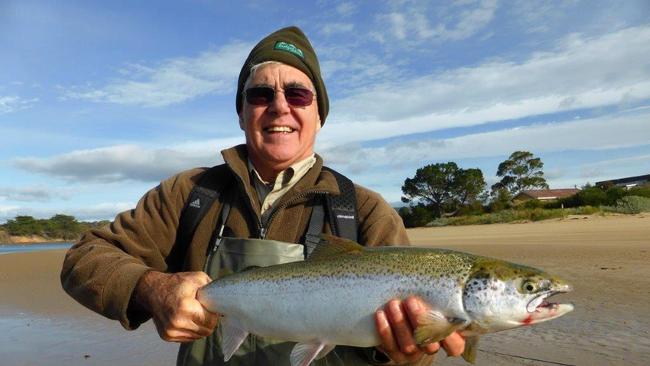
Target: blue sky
(99,100)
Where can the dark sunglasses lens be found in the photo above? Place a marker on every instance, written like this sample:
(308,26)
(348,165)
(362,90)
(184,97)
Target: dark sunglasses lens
(299,97)
(259,95)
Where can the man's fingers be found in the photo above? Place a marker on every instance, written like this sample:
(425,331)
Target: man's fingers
(205,318)
(388,341)
(201,278)
(401,328)
(414,308)
(212,320)
(454,344)
(431,348)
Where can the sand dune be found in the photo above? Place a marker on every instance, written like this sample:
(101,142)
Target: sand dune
(605,258)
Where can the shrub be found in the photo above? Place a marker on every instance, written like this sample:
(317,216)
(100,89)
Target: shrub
(642,191)
(533,204)
(506,216)
(592,196)
(631,205)
(4,237)
(614,194)
(501,200)
(475,208)
(589,196)
(416,216)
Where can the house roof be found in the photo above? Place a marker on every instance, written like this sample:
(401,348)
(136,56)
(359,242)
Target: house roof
(549,193)
(637,179)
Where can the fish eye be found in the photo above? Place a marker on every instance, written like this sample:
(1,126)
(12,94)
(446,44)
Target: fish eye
(529,286)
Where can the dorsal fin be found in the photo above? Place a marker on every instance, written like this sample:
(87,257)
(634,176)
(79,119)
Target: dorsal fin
(332,246)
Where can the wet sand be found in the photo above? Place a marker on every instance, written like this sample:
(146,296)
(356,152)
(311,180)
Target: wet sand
(605,258)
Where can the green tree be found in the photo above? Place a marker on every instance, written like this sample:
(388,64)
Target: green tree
(444,187)
(23,225)
(521,171)
(469,184)
(63,226)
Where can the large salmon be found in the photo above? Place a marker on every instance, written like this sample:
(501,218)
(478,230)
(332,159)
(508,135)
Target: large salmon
(331,298)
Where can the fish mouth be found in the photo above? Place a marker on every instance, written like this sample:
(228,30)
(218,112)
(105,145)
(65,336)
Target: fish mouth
(540,309)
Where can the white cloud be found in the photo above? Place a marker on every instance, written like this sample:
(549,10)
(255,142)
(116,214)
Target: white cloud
(12,103)
(128,162)
(100,211)
(581,73)
(587,134)
(36,194)
(336,28)
(469,22)
(413,23)
(397,24)
(96,212)
(611,168)
(8,212)
(538,16)
(173,81)
(346,9)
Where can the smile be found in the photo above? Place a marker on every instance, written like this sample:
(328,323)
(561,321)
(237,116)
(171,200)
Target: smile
(279,129)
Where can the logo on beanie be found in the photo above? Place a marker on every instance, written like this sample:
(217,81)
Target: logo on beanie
(288,47)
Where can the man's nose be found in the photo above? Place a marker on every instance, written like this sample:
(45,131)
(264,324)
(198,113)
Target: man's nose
(279,104)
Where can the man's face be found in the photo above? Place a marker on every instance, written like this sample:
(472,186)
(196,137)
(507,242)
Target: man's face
(279,134)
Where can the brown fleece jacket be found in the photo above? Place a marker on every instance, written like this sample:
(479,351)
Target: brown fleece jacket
(102,269)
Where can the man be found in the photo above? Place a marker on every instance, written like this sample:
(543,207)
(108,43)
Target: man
(141,267)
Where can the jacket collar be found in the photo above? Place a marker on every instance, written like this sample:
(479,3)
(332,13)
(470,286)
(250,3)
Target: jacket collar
(315,180)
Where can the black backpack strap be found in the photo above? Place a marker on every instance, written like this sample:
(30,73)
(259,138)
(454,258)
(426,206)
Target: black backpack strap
(315,229)
(342,214)
(342,209)
(203,195)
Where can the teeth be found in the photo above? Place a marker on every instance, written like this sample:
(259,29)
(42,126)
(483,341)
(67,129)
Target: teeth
(284,129)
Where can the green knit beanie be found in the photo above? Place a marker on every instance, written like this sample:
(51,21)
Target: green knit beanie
(289,46)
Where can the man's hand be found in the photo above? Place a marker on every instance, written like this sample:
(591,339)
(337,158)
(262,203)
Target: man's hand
(171,300)
(395,324)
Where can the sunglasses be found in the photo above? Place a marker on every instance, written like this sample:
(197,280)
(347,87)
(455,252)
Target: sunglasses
(264,95)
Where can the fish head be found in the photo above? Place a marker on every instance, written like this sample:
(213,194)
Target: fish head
(500,295)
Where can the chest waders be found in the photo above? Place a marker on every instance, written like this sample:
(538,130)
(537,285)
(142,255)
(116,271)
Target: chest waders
(231,255)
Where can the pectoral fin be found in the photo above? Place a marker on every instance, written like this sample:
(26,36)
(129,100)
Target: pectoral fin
(434,326)
(232,336)
(471,346)
(304,353)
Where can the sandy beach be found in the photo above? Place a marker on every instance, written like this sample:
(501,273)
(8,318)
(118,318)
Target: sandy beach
(605,258)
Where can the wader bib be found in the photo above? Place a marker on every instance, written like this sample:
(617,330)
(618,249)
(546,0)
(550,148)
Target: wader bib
(231,255)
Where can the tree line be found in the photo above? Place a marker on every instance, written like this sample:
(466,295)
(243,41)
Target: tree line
(57,227)
(444,190)
(436,191)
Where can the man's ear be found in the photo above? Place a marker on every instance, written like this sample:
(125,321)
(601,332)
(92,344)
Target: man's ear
(318,123)
(241,122)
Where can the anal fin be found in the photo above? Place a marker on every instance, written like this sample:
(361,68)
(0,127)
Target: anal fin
(233,335)
(304,353)
(471,347)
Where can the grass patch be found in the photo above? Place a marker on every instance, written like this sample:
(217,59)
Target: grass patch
(521,215)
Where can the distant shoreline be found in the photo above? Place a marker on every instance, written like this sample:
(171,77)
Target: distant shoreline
(6,239)
(31,239)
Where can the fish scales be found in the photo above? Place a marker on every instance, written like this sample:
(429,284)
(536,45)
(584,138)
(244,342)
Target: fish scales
(332,298)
